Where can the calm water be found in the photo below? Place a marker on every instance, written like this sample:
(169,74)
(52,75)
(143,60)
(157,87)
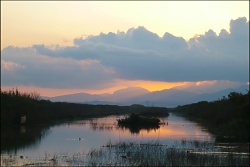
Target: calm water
(81,136)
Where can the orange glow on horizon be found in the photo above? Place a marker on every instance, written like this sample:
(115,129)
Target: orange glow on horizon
(119,84)
(149,85)
(51,92)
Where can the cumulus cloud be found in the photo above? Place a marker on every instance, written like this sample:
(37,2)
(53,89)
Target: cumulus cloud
(227,53)
(239,28)
(137,54)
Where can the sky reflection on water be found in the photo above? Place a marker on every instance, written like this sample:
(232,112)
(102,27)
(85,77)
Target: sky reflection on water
(81,136)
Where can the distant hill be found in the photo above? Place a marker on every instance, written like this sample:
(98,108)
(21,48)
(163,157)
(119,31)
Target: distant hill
(167,97)
(126,94)
(137,95)
(102,103)
(214,96)
(78,97)
(117,96)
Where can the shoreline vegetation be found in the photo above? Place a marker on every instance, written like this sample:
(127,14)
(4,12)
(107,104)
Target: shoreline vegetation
(15,105)
(184,153)
(226,118)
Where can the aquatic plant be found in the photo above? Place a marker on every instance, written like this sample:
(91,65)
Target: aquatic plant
(135,122)
(142,154)
(136,119)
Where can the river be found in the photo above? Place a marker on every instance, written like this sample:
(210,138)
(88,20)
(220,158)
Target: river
(83,135)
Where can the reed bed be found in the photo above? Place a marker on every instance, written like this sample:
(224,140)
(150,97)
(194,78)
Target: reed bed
(188,153)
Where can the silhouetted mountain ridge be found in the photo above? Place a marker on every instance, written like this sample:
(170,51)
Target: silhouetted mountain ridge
(137,95)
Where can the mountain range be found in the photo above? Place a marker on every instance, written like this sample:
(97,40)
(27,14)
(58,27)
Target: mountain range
(137,95)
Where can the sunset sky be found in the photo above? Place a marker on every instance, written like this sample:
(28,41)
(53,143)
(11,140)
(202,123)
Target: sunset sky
(63,47)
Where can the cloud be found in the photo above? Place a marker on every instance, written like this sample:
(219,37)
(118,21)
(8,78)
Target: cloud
(239,28)
(137,54)
(228,53)
(10,66)
(35,69)
(211,86)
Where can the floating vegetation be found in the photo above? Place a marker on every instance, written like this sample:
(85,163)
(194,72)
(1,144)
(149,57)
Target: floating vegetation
(135,122)
(156,154)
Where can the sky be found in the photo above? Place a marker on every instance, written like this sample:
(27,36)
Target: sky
(64,47)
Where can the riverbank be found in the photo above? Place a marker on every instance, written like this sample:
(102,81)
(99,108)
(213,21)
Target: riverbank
(226,118)
(16,105)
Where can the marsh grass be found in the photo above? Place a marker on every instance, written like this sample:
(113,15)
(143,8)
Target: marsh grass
(188,153)
(194,153)
(136,122)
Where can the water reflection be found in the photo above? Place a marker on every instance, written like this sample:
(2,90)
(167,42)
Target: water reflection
(96,126)
(175,128)
(113,126)
(22,137)
(81,136)
(136,129)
